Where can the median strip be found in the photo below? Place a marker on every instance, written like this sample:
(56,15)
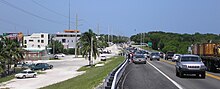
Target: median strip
(207,74)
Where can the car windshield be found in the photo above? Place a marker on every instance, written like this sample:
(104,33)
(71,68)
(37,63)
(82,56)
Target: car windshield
(24,72)
(155,54)
(139,56)
(190,59)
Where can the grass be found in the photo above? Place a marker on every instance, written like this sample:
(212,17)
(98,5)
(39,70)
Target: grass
(90,79)
(54,59)
(4,79)
(40,72)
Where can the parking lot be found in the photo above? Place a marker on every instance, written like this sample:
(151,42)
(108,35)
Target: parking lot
(63,70)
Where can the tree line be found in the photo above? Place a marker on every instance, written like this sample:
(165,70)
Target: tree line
(179,43)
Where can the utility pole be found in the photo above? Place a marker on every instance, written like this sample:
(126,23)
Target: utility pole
(91,50)
(76,36)
(98,29)
(108,33)
(69,14)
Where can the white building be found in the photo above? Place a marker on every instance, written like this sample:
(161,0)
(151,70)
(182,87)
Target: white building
(36,40)
(68,38)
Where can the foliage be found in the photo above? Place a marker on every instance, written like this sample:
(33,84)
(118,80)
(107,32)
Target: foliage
(56,46)
(87,39)
(179,43)
(90,79)
(4,79)
(10,53)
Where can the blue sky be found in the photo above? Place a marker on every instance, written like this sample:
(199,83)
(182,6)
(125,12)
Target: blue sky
(121,16)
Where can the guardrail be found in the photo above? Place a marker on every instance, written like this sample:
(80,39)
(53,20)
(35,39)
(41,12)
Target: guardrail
(111,82)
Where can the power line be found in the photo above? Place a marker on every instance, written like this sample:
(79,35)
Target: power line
(49,9)
(29,13)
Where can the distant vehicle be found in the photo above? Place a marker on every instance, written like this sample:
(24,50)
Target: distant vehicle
(26,74)
(209,53)
(41,66)
(161,54)
(175,57)
(103,58)
(190,64)
(155,56)
(60,55)
(169,55)
(55,57)
(139,58)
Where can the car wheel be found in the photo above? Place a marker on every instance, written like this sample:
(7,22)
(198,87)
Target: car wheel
(150,59)
(158,59)
(203,75)
(177,73)
(23,76)
(181,74)
(34,76)
(43,69)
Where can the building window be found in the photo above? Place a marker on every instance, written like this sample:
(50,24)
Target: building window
(38,46)
(72,40)
(25,46)
(63,40)
(68,41)
(42,41)
(38,41)
(42,35)
(25,41)
(31,40)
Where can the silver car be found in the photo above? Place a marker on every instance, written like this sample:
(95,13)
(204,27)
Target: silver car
(155,56)
(190,64)
(139,58)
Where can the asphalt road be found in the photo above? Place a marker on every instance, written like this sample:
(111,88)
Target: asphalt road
(145,76)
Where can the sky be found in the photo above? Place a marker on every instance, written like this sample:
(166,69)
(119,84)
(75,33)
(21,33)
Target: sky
(118,17)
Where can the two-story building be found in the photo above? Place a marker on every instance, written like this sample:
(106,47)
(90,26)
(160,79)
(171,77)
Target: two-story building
(68,38)
(35,46)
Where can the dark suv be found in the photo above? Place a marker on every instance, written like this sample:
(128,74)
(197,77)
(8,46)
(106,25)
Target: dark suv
(169,55)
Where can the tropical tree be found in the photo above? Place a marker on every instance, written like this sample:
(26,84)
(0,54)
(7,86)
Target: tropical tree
(56,46)
(10,53)
(86,40)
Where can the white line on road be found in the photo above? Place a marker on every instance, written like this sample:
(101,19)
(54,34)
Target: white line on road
(175,83)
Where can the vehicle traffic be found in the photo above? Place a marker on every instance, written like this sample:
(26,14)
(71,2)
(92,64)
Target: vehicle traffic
(155,56)
(169,55)
(139,58)
(190,64)
(175,57)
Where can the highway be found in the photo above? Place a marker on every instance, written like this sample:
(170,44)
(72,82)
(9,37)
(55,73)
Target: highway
(161,75)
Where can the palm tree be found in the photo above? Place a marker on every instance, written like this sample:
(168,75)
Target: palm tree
(85,42)
(11,52)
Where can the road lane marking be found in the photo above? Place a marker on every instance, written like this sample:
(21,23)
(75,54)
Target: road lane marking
(175,83)
(207,74)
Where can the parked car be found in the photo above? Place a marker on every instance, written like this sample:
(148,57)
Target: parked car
(190,64)
(26,74)
(175,57)
(139,58)
(155,56)
(41,66)
(55,57)
(103,58)
(169,55)
(60,55)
